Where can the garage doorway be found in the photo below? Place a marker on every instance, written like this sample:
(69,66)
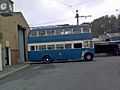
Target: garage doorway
(21,43)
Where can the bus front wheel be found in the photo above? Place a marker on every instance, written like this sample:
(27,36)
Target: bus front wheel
(47,59)
(88,57)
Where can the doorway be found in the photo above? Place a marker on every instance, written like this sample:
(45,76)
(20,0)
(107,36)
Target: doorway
(8,56)
(21,43)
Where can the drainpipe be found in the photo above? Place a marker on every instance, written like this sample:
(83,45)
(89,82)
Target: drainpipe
(1,62)
(1,66)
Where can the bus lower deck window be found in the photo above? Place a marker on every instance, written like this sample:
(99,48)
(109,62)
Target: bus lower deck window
(86,44)
(42,47)
(68,46)
(78,45)
(59,46)
(32,48)
(51,47)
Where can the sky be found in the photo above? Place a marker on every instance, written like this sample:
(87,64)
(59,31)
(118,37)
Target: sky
(56,12)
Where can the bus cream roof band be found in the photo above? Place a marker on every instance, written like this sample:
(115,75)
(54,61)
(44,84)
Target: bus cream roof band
(51,43)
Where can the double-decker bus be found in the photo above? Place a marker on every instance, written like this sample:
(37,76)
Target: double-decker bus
(67,42)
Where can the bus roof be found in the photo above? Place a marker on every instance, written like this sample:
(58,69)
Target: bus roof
(59,27)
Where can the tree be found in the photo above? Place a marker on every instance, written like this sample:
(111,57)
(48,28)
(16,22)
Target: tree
(105,24)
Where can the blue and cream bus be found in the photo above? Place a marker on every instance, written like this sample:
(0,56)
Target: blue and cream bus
(67,42)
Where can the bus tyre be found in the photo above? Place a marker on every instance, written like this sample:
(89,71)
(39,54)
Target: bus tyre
(88,57)
(47,59)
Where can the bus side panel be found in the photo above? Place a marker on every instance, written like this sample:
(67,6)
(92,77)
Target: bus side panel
(68,37)
(55,54)
(68,54)
(38,55)
(58,54)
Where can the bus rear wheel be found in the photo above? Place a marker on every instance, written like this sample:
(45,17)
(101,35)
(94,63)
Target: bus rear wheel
(88,57)
(47,59)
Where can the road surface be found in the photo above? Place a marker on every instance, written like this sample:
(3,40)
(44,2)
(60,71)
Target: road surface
(101,74)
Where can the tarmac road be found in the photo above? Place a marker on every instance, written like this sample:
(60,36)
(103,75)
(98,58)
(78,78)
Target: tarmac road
(101,74)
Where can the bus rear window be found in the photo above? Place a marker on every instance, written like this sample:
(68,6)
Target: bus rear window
(77,45)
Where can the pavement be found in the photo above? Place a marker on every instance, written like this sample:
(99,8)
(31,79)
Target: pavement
(7,70)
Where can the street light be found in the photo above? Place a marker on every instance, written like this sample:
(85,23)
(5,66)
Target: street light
(77,16)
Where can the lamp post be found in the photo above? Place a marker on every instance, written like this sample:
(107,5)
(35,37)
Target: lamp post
(77,16)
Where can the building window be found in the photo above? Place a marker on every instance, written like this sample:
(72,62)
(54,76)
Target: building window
(77,45)
(59,46)
(119,46)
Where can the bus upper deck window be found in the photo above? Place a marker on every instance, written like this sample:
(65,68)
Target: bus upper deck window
(33,33)
(41,33)
(50,32)
(68,31)
(76,31)
(59,32)
(86,30)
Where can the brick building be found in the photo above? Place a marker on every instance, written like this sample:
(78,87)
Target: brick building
(13,38)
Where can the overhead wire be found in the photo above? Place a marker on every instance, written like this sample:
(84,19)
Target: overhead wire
(70,6)
(86,1)
(60,20)
(51,22)
(65,4)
